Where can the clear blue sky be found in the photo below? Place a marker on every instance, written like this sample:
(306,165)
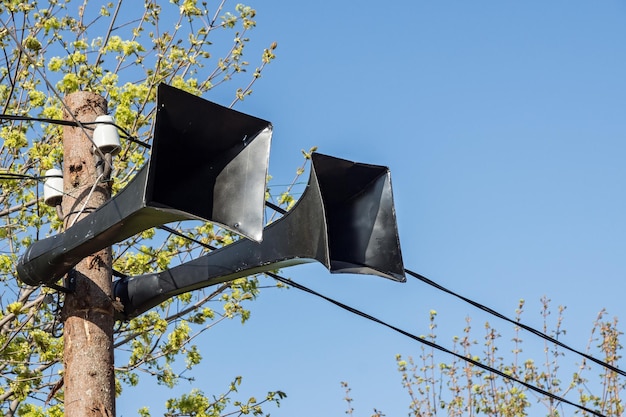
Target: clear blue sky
(503,124)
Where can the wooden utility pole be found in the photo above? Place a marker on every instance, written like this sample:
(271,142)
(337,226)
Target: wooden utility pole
(89,380)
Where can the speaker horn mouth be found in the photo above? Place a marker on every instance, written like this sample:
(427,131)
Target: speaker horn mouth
(361,217)
(209,162)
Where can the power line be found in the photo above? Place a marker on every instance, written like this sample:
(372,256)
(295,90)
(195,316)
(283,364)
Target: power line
(467,300)
(39,119)
(431,344)
(275,207)
(13,176)
(515,322)
(125,134)
(17,176)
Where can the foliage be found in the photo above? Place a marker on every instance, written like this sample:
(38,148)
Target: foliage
(458,388)
(57,47)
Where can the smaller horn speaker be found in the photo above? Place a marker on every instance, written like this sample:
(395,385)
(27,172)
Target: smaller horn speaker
(207,162)
(345,219)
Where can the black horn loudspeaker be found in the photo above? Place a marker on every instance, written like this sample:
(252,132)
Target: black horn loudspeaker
(207,162)
(345,219)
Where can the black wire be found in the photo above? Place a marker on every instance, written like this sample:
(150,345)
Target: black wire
(206,245)
(118,274)
(137,141)
(179,234)
(494,313)
(38,119)
(127,135)
(467,300)
(515,322)
(430,344)
(16,176)
(275,207)
(9,176)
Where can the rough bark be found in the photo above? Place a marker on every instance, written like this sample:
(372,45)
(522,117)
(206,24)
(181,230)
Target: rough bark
(88,312)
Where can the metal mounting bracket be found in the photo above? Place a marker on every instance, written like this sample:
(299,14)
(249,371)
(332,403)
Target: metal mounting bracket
(69,283)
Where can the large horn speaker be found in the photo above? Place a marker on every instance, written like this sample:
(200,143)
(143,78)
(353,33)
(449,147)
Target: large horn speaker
(207,162)
(345,219)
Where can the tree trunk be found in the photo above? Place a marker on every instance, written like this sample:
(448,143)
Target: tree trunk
(88,312)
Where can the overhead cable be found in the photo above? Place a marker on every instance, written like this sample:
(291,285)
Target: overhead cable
(432,344)
(72,123)
(467,300)
(515,322)
(17,176)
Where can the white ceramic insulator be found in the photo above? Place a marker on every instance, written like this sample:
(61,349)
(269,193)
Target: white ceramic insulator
(53,187)
(105,135)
